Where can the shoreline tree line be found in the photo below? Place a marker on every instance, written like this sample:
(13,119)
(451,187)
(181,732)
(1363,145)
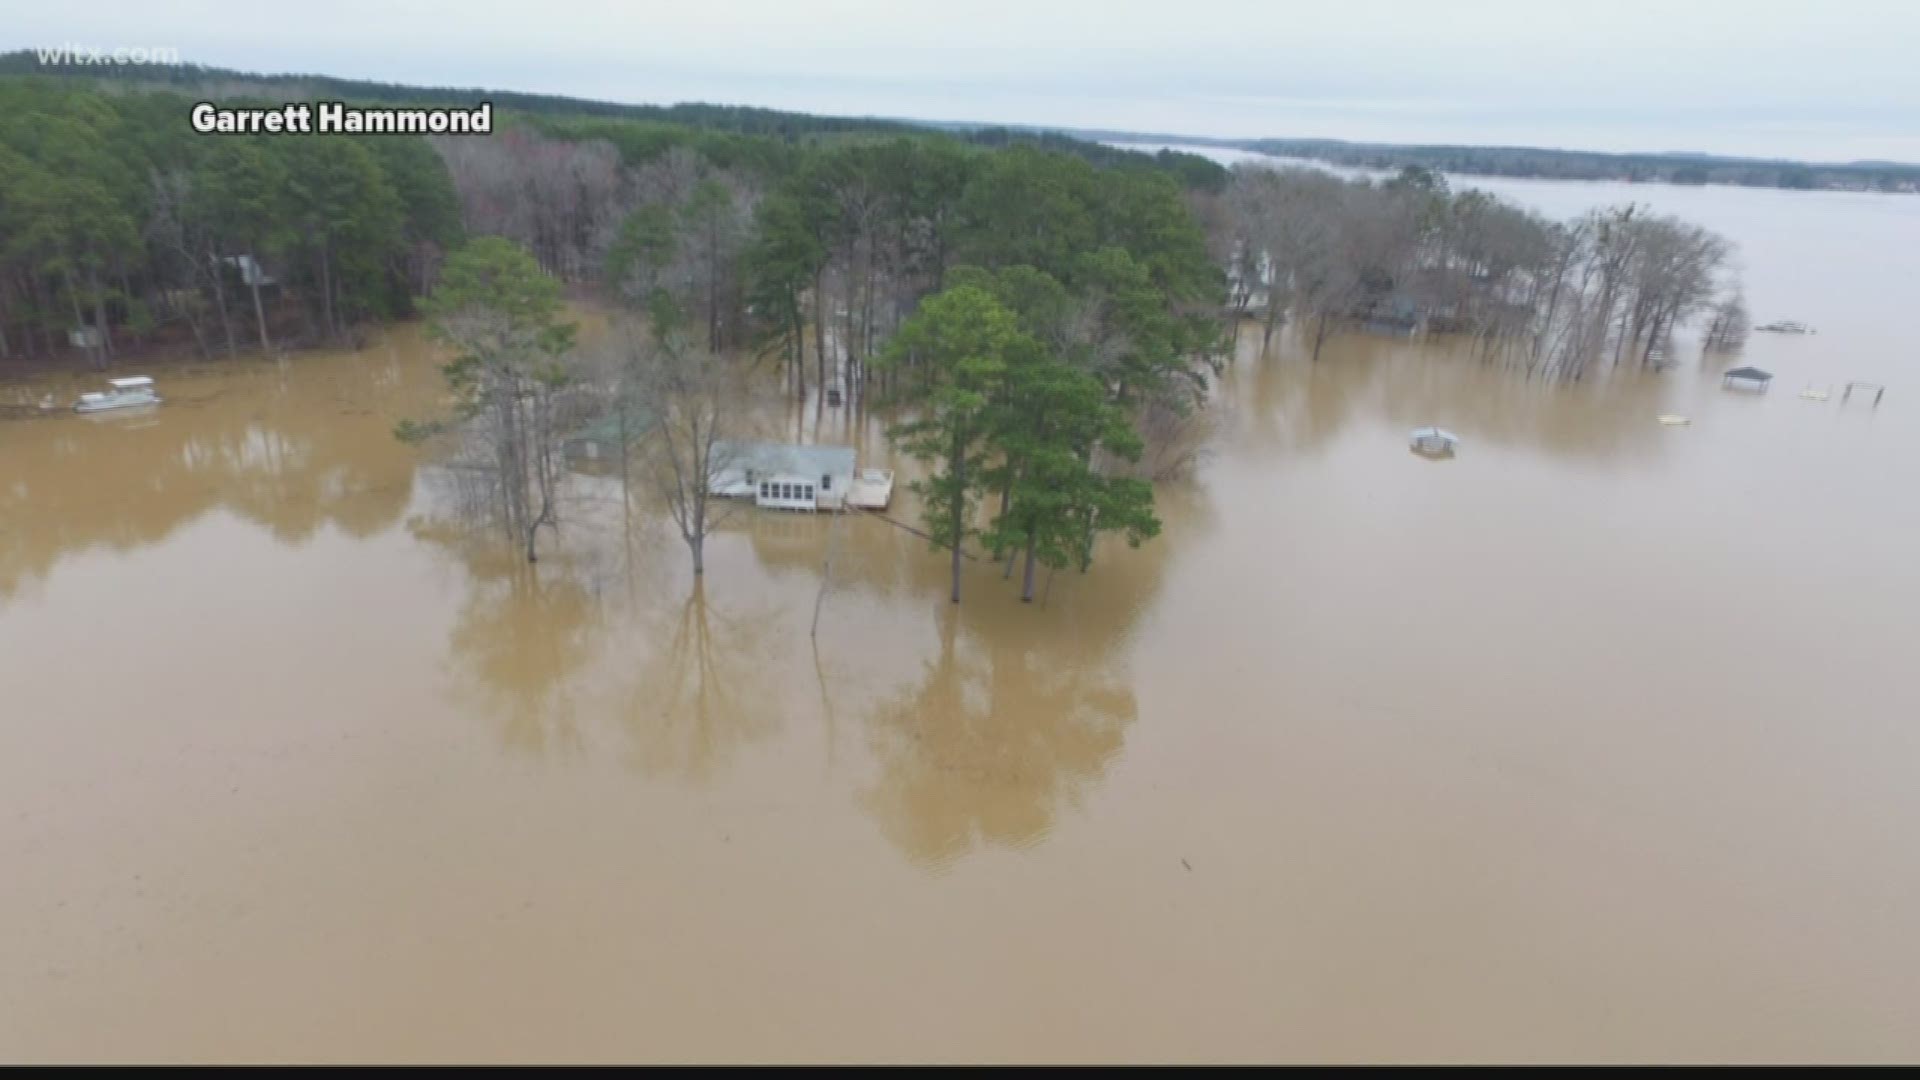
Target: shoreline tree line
(1032,315)
(1023,311)
(119,222)
(1408,255)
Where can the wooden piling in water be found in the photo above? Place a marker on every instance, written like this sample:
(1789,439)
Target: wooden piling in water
(1878,391)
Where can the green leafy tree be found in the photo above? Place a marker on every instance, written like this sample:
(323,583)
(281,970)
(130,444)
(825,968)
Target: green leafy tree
(74,203)
(638,261)
(1146,214)
(503,316)
(1052,421)
(1141,346)
(1026,206)
(345,216)
(235,195)
(962,339)
(713,224)
(782,263)
(429,211)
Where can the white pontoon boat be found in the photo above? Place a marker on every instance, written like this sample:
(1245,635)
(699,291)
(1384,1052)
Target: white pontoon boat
(122,394)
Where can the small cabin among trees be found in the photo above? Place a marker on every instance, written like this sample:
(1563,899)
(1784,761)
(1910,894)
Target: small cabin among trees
(779,476)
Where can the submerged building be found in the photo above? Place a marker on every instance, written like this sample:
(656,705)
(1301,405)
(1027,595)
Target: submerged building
(780,476)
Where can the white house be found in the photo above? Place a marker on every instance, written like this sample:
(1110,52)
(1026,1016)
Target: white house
(783,477)
(250,271)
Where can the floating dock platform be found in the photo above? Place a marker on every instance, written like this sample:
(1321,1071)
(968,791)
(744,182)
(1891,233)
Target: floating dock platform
(872,489)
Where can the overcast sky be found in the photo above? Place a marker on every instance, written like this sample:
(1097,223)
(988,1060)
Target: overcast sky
(1821,79)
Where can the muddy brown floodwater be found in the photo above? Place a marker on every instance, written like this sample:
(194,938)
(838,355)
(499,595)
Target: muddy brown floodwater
(1598,742)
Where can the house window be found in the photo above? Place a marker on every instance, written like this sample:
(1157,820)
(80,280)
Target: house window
(807,492)
(786,491)
(763,489)
(826,481)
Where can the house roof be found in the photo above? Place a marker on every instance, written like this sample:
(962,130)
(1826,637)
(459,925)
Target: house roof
(784,458)
(1748,373)
(607,428)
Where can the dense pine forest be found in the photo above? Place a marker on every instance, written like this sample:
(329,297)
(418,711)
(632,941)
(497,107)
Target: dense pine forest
(121,228)
(121,224)
(1045,312)
(1034,305)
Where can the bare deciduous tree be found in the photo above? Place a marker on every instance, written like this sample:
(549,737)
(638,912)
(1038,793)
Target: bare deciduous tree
(558,198)
(1727,328)
(1409,254)
(696,402)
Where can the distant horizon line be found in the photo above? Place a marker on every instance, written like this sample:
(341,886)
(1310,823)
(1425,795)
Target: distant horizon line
(1236,142)
(1074,131)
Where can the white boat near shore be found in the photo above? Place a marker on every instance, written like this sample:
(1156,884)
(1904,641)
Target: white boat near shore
(1433,442)
(125,393)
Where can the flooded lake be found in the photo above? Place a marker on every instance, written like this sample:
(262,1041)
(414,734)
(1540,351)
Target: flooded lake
(1598,741)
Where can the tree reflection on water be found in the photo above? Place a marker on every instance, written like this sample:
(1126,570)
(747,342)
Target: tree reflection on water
(704,693)
(996,738)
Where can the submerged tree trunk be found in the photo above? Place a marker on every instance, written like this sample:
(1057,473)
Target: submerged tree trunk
(799,351)
(6,348)
(533,533)
(126,292)
(259,309)
(199,335)
(542,475)
(220,303)
(819,331)
(713,289)
(100,314)
(326,292)
(44,301)
(1006,504)
(94,359)
(959,506)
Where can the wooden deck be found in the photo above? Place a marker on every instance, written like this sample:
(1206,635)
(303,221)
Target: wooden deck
(872,489)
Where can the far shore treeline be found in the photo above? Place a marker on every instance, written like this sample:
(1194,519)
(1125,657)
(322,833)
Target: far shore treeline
(1044,315)
(116,216)
(118,219)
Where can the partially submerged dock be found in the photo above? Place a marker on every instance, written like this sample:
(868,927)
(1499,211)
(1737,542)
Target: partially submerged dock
(872,489)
